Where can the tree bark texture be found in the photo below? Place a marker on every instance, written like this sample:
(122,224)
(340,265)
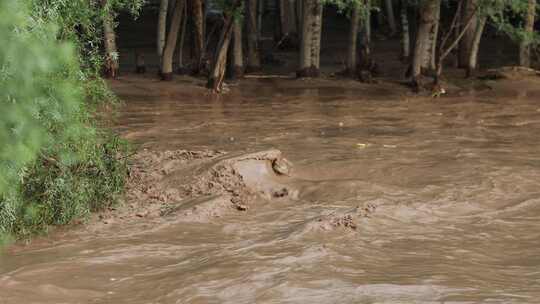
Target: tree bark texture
(525,45)
(172,39)
(111,51)
(197,14)
(390,17)
(352,51)
(310,47)
(427,18)
(473,59)
(465,45)
(253,59)
(182,70)
(219,62)
(405,34)
(238,62)
(162,27)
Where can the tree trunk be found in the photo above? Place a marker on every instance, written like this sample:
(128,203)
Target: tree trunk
(162,27)
(390,16)
(299,17)
(380,19)
(310,47)
(253,62)
(473,59)
(367,22)
(405,35)
(219,62)
(217,72)
(260,12)
(140,67)
(182,70)
(366,67)
(430,63)
(197,13)
(444,49)
(172,39)
(525,44)
(289,32)
(428,15)
(465,45)
(283,18)
(111,51)
(293,28)
(305,43)
(238,62)
(352,52)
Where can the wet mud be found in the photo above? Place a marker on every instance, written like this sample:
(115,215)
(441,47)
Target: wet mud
(307,192)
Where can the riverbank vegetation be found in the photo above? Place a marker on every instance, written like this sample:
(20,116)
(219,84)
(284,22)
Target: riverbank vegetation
(57,165)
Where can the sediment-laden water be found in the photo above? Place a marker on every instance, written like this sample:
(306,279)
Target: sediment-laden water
(386,199)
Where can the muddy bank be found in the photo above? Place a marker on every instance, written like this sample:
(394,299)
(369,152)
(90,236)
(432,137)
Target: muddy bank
(201,185)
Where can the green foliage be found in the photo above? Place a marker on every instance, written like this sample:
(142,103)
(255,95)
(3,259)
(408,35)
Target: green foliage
(55,164)
(56,191)
(508,16)
(80,23)
(30,59)
(347,6)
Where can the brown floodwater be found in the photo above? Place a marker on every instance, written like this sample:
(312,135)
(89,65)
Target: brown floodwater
(454,184)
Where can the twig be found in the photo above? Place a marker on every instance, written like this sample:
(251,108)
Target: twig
(452,26)
(465,28)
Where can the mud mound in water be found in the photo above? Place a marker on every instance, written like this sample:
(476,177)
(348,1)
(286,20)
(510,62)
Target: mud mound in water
(242,176)
(348,219)
(344,220)
(200,185)
(149,169)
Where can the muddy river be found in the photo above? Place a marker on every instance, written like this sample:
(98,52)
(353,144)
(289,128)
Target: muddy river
(386,198)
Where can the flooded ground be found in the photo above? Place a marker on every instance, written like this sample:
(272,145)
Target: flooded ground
(390,199)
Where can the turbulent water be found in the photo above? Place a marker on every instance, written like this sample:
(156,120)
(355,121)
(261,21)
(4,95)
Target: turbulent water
(452,188)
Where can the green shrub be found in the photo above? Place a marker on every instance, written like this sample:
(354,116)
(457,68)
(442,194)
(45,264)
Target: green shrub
(55,164)
(31,108)
(56,191)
